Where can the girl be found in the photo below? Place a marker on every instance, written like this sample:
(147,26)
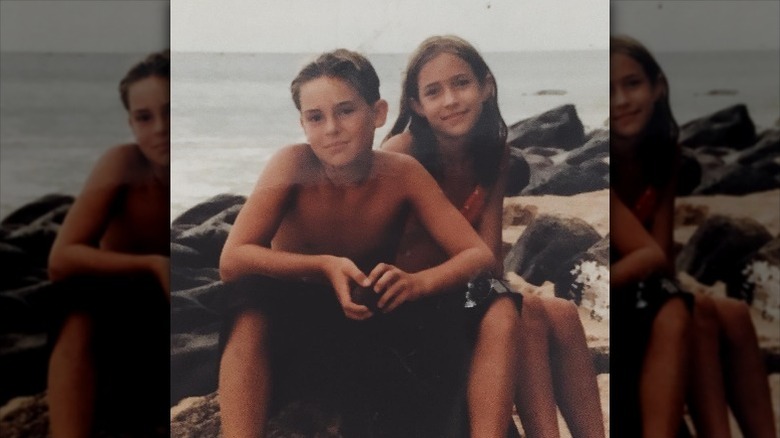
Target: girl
(679,346)
(449,120)
(110,267)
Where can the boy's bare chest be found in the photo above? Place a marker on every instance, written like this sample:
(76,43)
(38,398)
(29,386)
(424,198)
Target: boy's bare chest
(344,222)
(139,222)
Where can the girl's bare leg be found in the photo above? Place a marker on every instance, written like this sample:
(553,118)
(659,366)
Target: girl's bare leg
(574,374)
(494,371)
(662,385)
(71,379)
(745,373)
(244,378)
(707,400)
(534,393)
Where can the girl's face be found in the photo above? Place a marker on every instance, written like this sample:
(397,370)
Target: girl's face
(450,96)
(338,122)
(149,110)
(632,97)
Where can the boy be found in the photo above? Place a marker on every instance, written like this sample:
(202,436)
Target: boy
(110,268)
(324,218)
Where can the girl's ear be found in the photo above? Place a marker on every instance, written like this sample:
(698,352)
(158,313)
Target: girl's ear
(661,87)
(488,88)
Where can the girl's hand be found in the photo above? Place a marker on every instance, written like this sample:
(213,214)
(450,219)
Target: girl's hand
(161,268)
(395,286)
(342,272)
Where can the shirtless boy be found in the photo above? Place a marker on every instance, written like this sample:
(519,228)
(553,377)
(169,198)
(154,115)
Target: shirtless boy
(324,217)
(110,267)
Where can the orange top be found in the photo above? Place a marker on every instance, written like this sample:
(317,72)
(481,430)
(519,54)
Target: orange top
(645,205)
(475,205)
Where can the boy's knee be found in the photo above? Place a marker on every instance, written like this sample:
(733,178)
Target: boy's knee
(705,312)
(249,333)
(561,311)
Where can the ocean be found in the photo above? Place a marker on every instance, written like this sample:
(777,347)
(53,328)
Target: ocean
(231,112)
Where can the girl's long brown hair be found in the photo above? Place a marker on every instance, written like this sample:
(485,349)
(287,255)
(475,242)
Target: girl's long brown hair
(658,151)
(488,141)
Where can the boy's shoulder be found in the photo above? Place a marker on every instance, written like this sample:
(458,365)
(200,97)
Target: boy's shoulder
(398,164)
(122,160)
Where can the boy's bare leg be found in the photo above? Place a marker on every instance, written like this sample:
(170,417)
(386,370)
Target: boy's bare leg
(745,372)
(574,375)
(494,370)
(663,382)
(708,407)
(71,379)
(534,391)
(244,378)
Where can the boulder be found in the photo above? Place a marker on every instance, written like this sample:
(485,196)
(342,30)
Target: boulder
(719,250)
(519,173)
(544,250)
(730,127)
(559,127)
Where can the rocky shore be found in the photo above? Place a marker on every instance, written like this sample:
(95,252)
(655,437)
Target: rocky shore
(556,231)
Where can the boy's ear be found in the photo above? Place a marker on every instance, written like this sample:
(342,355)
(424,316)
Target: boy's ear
(380,113)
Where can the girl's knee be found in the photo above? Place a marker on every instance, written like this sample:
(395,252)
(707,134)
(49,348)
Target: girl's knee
(673,320)
(735,320)
(501,319)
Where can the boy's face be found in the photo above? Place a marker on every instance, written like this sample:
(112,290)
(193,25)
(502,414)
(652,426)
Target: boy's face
(339,124)
(149,116)
(450,96)
(632,97)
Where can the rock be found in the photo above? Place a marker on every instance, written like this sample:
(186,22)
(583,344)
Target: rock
(596,147)
(35,209)
(736,179)
(690,174)
(541,253)
(208,209)
(559,127)
(730,127)
(519,173)
(720,249)
(206,239)
(768,145)
(194,363)
(566,180)
(196,417)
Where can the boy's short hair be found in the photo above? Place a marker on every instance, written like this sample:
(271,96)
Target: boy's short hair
(155,64)
(344,64)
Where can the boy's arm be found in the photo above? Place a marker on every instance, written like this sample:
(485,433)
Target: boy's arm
(469,255)
(640,254)
(247,250)
(75,250)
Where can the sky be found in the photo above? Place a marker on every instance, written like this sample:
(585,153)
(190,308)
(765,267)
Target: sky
(386,26)
(693,25)
(119,26)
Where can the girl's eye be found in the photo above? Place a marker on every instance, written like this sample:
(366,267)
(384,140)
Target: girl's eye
(431,91)
(462,82)
(143,118)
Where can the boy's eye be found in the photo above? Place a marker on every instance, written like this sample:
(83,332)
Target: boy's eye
(313,118)
(143,117)
(346,110)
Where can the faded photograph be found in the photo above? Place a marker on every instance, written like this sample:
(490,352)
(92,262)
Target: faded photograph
(695,217)
(389,223)
(84,302)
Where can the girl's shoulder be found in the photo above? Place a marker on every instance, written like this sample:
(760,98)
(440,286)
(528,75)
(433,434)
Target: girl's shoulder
(401,143)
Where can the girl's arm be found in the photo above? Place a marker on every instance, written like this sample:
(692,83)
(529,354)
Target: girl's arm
(75,250)
(490,226)
(641,255)
(663,219)
(248,250)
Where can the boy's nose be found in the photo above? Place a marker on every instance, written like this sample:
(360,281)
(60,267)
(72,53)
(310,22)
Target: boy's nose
(331,125)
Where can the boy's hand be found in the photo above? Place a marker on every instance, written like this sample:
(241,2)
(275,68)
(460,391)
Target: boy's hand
(342,272)
(395,286)
(161,268)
